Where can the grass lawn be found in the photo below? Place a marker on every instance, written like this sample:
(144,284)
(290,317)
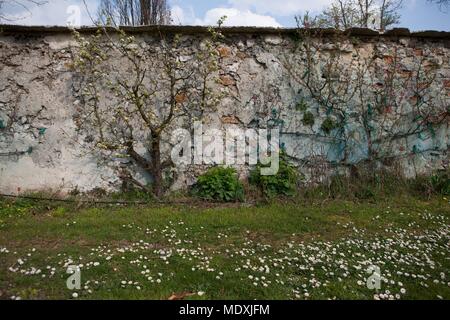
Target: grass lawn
(283,251)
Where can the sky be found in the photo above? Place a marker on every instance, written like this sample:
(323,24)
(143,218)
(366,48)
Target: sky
(416,14)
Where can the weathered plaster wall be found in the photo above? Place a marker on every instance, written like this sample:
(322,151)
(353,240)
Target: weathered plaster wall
(40,148)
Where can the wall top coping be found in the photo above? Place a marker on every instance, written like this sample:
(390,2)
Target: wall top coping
(363,32)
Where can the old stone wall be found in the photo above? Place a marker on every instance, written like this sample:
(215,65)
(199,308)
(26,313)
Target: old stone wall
(337,100)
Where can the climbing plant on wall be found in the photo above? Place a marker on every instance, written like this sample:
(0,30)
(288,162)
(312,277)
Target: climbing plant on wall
(132,90)
(374,101)
(22,126)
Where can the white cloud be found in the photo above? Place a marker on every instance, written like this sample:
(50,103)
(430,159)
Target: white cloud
(237,17)
(178,15)
(280,7)
(249,12)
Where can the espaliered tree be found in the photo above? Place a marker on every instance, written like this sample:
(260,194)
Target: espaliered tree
(133,91)
(373,103)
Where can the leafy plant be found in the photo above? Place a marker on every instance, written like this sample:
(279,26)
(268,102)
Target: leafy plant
(283,183)
(328,125)
(59,212)
(308,119)
(219,184)
(427,185)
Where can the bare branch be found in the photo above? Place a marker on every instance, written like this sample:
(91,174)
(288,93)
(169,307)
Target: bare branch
(23,5)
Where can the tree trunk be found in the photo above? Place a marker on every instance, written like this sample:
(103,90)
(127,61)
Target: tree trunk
(145,12)
(156,168)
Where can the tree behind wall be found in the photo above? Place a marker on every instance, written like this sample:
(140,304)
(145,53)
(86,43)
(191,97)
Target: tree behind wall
(134,12)
(376,14)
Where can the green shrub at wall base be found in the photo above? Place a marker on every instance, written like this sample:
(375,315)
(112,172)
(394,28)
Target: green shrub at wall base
(284,183)
(219,184)
(440,182)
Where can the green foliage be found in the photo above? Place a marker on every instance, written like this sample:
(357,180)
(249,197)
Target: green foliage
(355,41)
(283,183)
(372,184)
(366,186)
(59,212)
(22,207)
(10,208)
(219,184)
(328,125)
(308,119)
(365,193)
(346,187)
(301,106)
(294,229)
(440,182)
